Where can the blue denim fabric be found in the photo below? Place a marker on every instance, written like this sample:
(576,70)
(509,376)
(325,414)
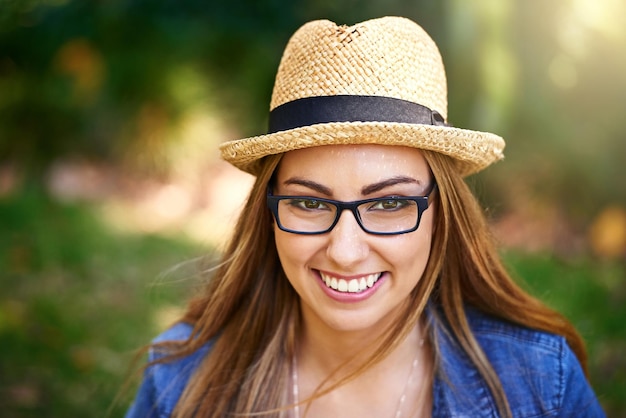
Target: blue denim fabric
(540,375)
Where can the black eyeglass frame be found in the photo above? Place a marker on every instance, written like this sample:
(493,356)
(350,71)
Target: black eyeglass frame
(422,202)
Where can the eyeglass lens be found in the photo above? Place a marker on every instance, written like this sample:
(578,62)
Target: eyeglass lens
(385,215)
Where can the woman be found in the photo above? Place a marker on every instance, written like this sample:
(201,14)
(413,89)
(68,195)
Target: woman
(361,279)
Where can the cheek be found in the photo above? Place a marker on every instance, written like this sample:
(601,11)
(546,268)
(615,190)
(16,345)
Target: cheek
(414,251)
(293,250)
(295,254)
(428,225)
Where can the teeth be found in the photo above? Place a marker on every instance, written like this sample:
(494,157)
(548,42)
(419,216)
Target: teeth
(350,286)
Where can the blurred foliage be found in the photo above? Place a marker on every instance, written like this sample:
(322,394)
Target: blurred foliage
(76,299)
(102,78)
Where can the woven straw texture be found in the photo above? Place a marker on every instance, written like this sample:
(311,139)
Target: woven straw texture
(389,57)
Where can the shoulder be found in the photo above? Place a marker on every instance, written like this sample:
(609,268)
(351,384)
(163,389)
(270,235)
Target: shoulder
(163,383)
(514,348)
(538,371)
(173,374)
(178,332)
(490,330)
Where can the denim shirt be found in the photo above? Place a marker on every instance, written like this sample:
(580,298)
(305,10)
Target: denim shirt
(538,371)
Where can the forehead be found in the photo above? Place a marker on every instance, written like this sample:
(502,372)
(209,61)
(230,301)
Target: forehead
(360,164)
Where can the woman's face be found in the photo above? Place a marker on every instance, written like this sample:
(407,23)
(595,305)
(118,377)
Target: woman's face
(329,270)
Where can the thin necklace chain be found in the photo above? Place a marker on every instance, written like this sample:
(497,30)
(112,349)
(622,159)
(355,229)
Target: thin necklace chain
(294,380)
(399,408)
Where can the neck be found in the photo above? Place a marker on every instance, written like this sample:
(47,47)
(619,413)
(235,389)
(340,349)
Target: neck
(401,376)
(326,350)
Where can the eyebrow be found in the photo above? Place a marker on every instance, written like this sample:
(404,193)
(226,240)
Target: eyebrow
(310,184)
(365,190)
(373,188)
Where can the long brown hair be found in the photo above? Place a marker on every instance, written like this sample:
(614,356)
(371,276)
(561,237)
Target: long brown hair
(250,312)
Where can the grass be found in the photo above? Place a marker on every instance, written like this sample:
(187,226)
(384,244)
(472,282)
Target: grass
(76,298)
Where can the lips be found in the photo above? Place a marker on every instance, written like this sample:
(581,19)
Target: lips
(351,285)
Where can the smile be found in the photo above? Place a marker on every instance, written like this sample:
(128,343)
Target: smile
(354,285)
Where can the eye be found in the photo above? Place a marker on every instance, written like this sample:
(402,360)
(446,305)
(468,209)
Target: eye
(388,204)
(309,204)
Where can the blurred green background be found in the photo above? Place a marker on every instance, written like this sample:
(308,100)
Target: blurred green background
(112,196)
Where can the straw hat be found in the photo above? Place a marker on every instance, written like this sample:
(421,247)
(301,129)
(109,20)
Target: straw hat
(377,82)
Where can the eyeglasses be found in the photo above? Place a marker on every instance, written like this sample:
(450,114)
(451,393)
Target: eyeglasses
(308,215)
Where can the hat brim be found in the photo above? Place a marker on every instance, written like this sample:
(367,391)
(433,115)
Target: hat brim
(473,150)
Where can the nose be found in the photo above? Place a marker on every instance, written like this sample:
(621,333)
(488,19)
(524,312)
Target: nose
(347,244)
